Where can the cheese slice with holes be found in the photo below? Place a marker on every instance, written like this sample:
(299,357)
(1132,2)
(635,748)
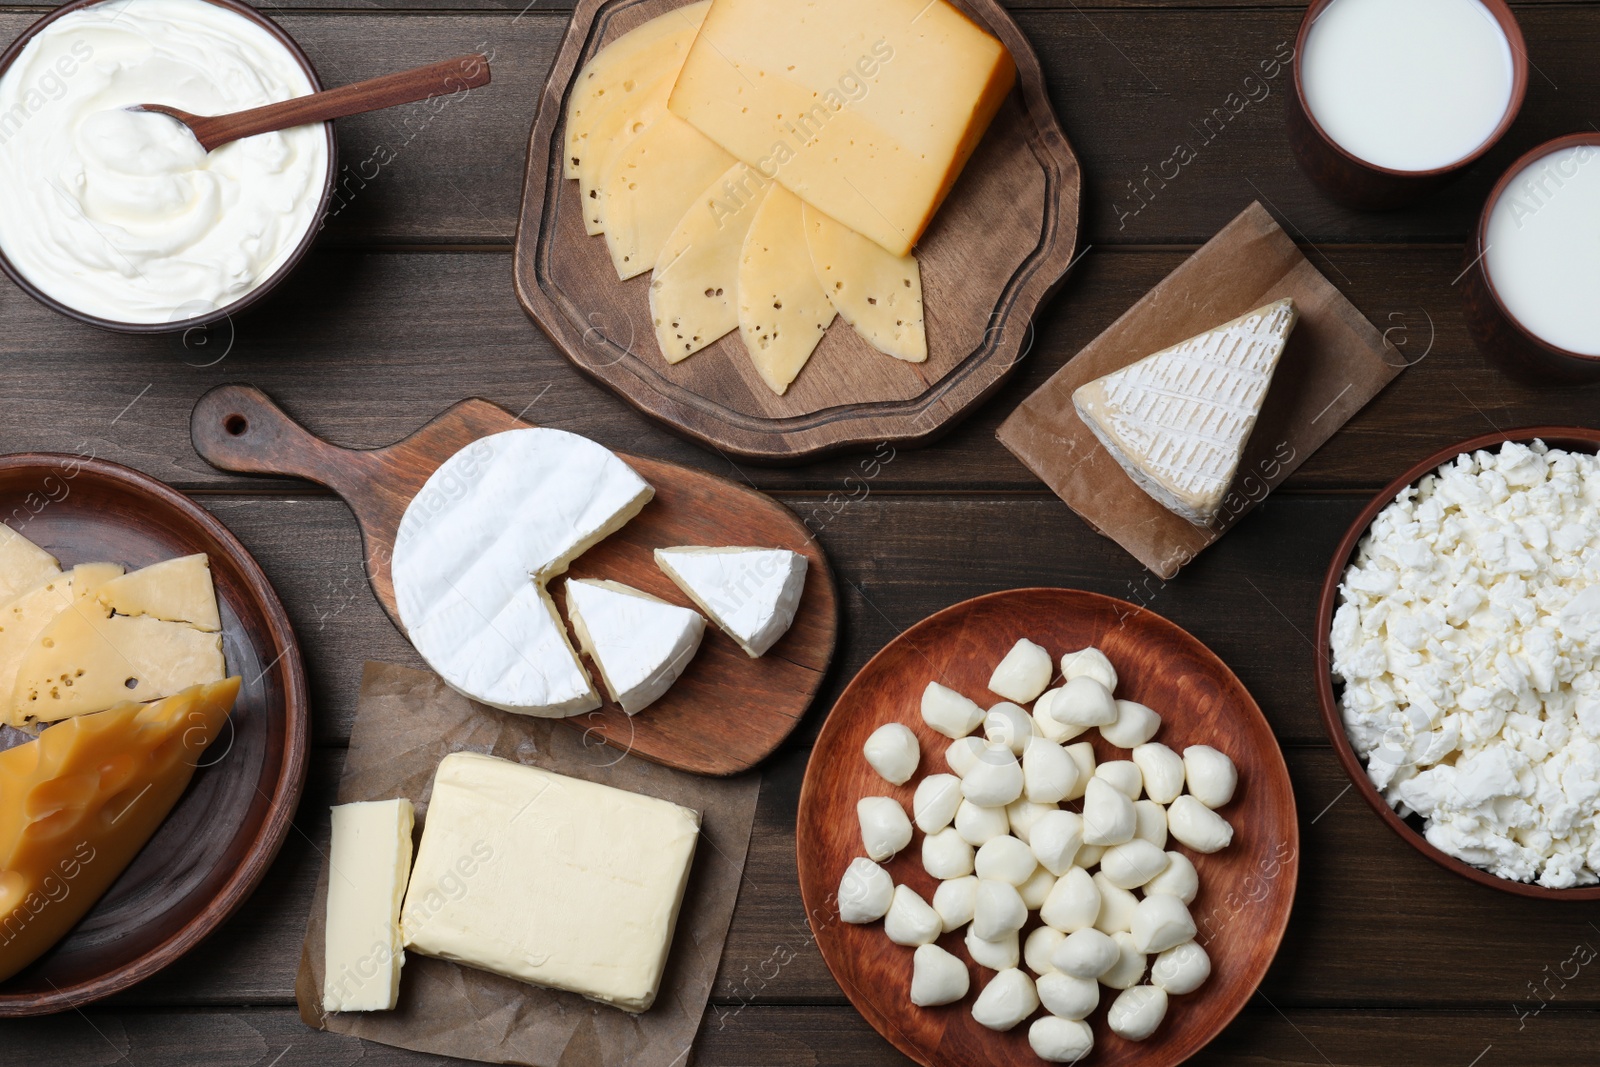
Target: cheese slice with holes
(649,185)
(25,618)
(23,565)
(1178,421)
(875,291)
(641,644)
(693,292)
(751,593)
(783,311)
(174,590)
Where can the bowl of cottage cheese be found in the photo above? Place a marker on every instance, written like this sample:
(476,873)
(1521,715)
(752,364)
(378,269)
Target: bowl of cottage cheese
(1459,672)
(120,218)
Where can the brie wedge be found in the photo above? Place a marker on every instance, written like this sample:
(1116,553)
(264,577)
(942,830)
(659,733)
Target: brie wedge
(640,644)
(1178,421)
(752,593)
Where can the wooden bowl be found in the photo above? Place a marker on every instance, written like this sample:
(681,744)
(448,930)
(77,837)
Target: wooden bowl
(1246,890)
(1354,182)
(1571,438)
(214,848)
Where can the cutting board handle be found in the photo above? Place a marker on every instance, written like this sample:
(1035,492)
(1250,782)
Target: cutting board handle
(239,428)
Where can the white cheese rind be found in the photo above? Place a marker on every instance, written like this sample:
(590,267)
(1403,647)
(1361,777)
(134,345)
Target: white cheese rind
(751,593)
(640,644)
(369,861)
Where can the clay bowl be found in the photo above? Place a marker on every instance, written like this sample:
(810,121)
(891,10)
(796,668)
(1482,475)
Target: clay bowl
(217,844)
(1246,890)
(271,282)
(1570,438)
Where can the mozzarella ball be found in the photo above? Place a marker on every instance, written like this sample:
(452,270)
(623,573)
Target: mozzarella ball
(955,900)
(1086,953)
(1005,859)
(1084,702)
(1091,663)
(1089,856)
(1045,724)
(1060,1040)
(995,780)
(1082,753)
(865,892)
(1161,922)
(1117,906)
(1134,725)
(1074,903)
(963,752)
(1197,826)
(1039,946)
(1211,775)
(1022,813)
(979,825)
(1150,822)
(1162,769)
(1181,969)
(1129,968)
(1007,724)
(998,910)
(892,750)
(995,955)
(937,977)
(1108,817)
(945,855)
(935,802)
(1036,890)
(1180,879)
(1137,1012)
(948,712)
(1023,674)
(1124,774)
(1008,999)
(1056,839)
(1049,775)
(885,829)
(1131,865)
(1068,997)
(911,920)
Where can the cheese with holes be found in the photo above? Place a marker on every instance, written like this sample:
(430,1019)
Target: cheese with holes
(478,543)
(79,802)
(875,291)
(866,111)
(649,185)
(548,879)
(369,861)
(641,644)
(783,311)
(751,593)
(1178,421)
(694,290)
(23,565)
(24,619)
(174,590)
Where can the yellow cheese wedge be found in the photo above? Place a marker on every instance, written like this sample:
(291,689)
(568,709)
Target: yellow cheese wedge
(23,565)
(79,802)
(87,578)
(175,590)
(24,619)
(649,186)
(783,311)
(875,291)
(693,292)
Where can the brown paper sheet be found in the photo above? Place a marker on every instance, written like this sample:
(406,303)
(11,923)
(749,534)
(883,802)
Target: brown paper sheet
(1336,361)
(407,722)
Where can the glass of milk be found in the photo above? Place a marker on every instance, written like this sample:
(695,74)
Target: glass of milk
(1395,97)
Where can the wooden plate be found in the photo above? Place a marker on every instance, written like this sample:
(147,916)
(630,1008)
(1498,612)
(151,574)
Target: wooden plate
(999,247)
(1571,438)
(214,848)
(725,714)
(1246,890)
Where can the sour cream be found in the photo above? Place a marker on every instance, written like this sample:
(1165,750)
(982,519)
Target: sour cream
(122,215)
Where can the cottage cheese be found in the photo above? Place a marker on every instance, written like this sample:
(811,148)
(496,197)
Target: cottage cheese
(1468,642)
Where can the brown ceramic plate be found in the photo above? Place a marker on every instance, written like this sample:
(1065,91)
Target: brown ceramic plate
(1571,438)
(1246,890)
(216,845)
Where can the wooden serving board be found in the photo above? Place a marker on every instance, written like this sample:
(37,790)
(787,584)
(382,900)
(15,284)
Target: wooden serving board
(725,714)
(1246,890)
(998,249)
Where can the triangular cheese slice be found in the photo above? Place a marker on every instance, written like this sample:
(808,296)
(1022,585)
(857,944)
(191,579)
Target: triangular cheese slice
(25,618)
(694,290)
(783,311)
(1178,421)
(648,187)
(23,565)
(174,590)
(751,593)
(875,291)
(640,644)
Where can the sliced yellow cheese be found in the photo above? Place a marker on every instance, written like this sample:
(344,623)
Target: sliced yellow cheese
(87,578)
(783,311)
(649,186)
(874,290)
(174,590)
(614,131)
(23,564)
(696,280)
(24,619)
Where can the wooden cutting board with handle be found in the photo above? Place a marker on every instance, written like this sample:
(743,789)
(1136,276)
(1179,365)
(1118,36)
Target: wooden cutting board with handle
(725,714)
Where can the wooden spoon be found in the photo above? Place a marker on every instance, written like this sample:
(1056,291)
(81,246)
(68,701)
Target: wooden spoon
(374,94)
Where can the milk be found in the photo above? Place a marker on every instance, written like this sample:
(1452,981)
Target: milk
(1408,85)
(1544,248)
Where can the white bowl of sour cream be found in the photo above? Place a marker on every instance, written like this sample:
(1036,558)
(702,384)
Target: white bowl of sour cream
(119,218)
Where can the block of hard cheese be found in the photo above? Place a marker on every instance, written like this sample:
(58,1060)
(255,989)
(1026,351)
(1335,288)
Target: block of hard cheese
(549,879)
(369,861)
(866,111)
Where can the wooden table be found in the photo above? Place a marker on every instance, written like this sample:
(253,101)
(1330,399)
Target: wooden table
(408,306)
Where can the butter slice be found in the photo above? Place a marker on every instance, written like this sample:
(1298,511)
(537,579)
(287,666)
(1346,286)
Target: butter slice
(549,879)
(368,864)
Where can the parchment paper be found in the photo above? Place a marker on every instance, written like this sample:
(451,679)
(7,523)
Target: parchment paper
(408,721)
(1335,362)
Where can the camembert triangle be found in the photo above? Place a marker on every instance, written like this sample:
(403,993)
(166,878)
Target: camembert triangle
(751,593)
(1178,421)
(641,644)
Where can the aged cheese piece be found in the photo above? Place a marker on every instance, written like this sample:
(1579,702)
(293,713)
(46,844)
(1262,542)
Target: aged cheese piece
(878,293)
(649,185)
(475,547)
(693,292)
(23,565)
(369,861)
(1178,421)
(174,590)
(783,311)
(752,593)
(78,803)
(549,879)
(865,111)
(25,618)
(640,644)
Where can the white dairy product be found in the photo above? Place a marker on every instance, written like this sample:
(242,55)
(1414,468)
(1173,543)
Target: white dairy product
(640,644)
(369,862)
(122,215)
(1468,642)
(1408,85)
(1541,252)
(752,593)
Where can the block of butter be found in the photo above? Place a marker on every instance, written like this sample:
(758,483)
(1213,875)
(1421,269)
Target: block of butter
(549,879)
(368,864)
